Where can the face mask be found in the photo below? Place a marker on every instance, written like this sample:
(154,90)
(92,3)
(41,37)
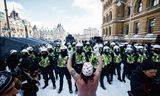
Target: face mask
(24,54)
(14,54)
(64,53)
(79,51)
(50,50)
(44,54)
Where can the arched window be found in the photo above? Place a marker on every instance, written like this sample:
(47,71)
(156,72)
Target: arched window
(110,16)
(109,31)
(103,33)
(107,18)
(106,31)
(104,19)
(137,27)
(151,25)
(139,6)
(128,10)
(155,2)
(126,31)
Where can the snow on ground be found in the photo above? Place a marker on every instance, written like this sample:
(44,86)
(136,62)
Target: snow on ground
(116,89)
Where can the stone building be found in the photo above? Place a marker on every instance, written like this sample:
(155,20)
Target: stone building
(50,34)
(131,20)
(18,27)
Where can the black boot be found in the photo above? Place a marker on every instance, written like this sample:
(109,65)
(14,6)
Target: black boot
(44,86)
(120,79)
(54,86)
(46,83)
(59,91)
(70,91)
(124,80)
(76,91)
(110,82)
(103,87)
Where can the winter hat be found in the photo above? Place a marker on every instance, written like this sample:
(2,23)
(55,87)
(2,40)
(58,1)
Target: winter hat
(6,80)
(87,69)
(148,64)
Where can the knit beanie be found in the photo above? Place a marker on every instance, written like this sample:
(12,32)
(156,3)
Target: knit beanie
(148,64)
(6,80)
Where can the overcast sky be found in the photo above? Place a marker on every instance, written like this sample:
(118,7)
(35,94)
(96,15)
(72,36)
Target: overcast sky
(74,15)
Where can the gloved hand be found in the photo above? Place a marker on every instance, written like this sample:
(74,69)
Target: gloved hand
(96,51)
(70,53)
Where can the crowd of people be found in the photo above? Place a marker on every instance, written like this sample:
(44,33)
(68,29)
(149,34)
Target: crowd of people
(140,63)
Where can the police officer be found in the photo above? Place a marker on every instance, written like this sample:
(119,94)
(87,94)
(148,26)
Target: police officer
(13,60)
(129,63)
(156,57)
(57,47)
(62,68)
(79,59)
(74,46)
(46,66)
(54,56)
(117,61)
(87,50)
(140,55)
(31,52)
(25,64)
(156,54)
(93,60)
(107,58)
(100,48)
(34,58)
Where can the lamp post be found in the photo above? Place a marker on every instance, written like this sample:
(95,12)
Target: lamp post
(0,29)
(130,17)
(6,10)
(25,27)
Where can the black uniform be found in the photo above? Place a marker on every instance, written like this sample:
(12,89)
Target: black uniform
(46,66)
(12,61)
(107,69)
(141,85)
(62,70)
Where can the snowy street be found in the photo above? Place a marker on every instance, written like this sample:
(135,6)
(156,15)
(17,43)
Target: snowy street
(116,89)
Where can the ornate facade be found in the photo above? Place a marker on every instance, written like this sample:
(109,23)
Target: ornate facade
(18,27)
(50,34)
(131,19)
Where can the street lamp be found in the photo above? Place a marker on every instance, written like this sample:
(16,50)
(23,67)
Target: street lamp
(6,10)
(0,29)
(130,17)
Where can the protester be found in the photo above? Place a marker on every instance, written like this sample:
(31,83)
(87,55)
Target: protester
(142,79)
(9,85)
(86,81)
